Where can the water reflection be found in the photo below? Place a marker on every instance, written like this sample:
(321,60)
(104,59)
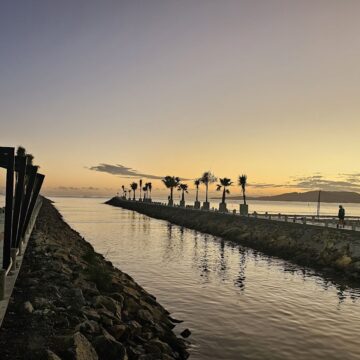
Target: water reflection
(238,302)
(240,280)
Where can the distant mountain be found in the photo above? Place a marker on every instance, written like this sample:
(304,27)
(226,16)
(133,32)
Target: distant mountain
(310,196)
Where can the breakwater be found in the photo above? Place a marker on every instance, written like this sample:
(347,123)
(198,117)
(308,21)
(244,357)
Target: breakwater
(70,303)
(315,246)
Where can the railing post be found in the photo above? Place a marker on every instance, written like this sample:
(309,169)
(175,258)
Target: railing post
(2,284)
(32,170)
(20,167)
(13,258)
(8,162)
(38,183)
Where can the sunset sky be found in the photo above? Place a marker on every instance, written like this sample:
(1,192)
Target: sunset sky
(99,89)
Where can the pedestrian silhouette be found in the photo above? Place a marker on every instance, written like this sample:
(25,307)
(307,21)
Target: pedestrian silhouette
(341,216)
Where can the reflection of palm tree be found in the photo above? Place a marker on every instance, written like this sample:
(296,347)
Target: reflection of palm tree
(184,189)
(204,259)
(224,184)
(134,186)
(171,182)
(222,259)
(207,178)
(240,280)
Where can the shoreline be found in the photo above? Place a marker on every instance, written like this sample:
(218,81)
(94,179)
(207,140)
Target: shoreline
(71,303)
(332,252)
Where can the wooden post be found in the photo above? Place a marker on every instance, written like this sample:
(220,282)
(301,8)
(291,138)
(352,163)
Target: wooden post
(20,167)
(38,183)
(32,170)
(8,162)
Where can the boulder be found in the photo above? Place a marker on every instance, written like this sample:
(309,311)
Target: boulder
(28,308)
(108,348)
(83,350)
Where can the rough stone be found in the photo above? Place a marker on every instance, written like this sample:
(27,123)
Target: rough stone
(83,349)
(108,348)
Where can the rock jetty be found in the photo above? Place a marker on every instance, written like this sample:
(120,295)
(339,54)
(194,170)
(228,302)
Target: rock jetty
(330,250)
(70,303)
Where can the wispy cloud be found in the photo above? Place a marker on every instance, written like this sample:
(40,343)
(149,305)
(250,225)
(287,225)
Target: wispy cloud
(126,172)
(72,188)
(345,182)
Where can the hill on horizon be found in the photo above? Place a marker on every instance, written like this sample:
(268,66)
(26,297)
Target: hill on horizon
(310,196)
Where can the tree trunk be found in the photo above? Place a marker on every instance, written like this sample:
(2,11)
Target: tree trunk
(206,198)
(223,195)
(134,194)
(244,197)
(171,193)
(197,194)
(183,196)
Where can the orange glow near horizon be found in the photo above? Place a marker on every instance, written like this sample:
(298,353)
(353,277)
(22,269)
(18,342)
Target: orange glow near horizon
(267,88)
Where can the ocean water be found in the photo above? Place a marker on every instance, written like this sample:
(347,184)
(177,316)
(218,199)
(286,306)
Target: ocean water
(238,303)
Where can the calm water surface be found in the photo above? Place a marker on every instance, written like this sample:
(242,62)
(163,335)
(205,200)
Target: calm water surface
(238,303)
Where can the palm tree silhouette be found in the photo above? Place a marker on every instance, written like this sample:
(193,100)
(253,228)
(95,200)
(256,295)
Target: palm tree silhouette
(184,189)
(140,187)
(123,190)
(134,186)
(145,191)
(224,184)
(149,186)
(171,182)
(242,181)
(197,184)
(207,178)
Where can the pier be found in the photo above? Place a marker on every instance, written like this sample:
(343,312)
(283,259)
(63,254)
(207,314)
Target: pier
(318,244)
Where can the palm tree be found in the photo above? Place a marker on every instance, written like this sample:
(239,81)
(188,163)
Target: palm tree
(145,191)
(134,186)
(197,184)
(123,190)
(149,186)
(224,184)
(207,178)
(242,181)
(171,182)
(184,189)
(140,187)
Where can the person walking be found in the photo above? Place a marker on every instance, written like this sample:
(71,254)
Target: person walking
(341,216)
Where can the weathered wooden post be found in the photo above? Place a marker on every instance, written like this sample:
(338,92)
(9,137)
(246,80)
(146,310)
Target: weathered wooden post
(32,170)
(38,183)
(7,161)
(20,168)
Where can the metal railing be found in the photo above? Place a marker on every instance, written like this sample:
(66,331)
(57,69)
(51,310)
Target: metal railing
(351,222)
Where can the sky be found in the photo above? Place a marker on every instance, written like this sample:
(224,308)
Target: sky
(104,92)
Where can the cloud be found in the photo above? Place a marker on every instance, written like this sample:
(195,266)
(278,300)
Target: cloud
(346,182)
(265,186)
(72,188)
(124,171)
